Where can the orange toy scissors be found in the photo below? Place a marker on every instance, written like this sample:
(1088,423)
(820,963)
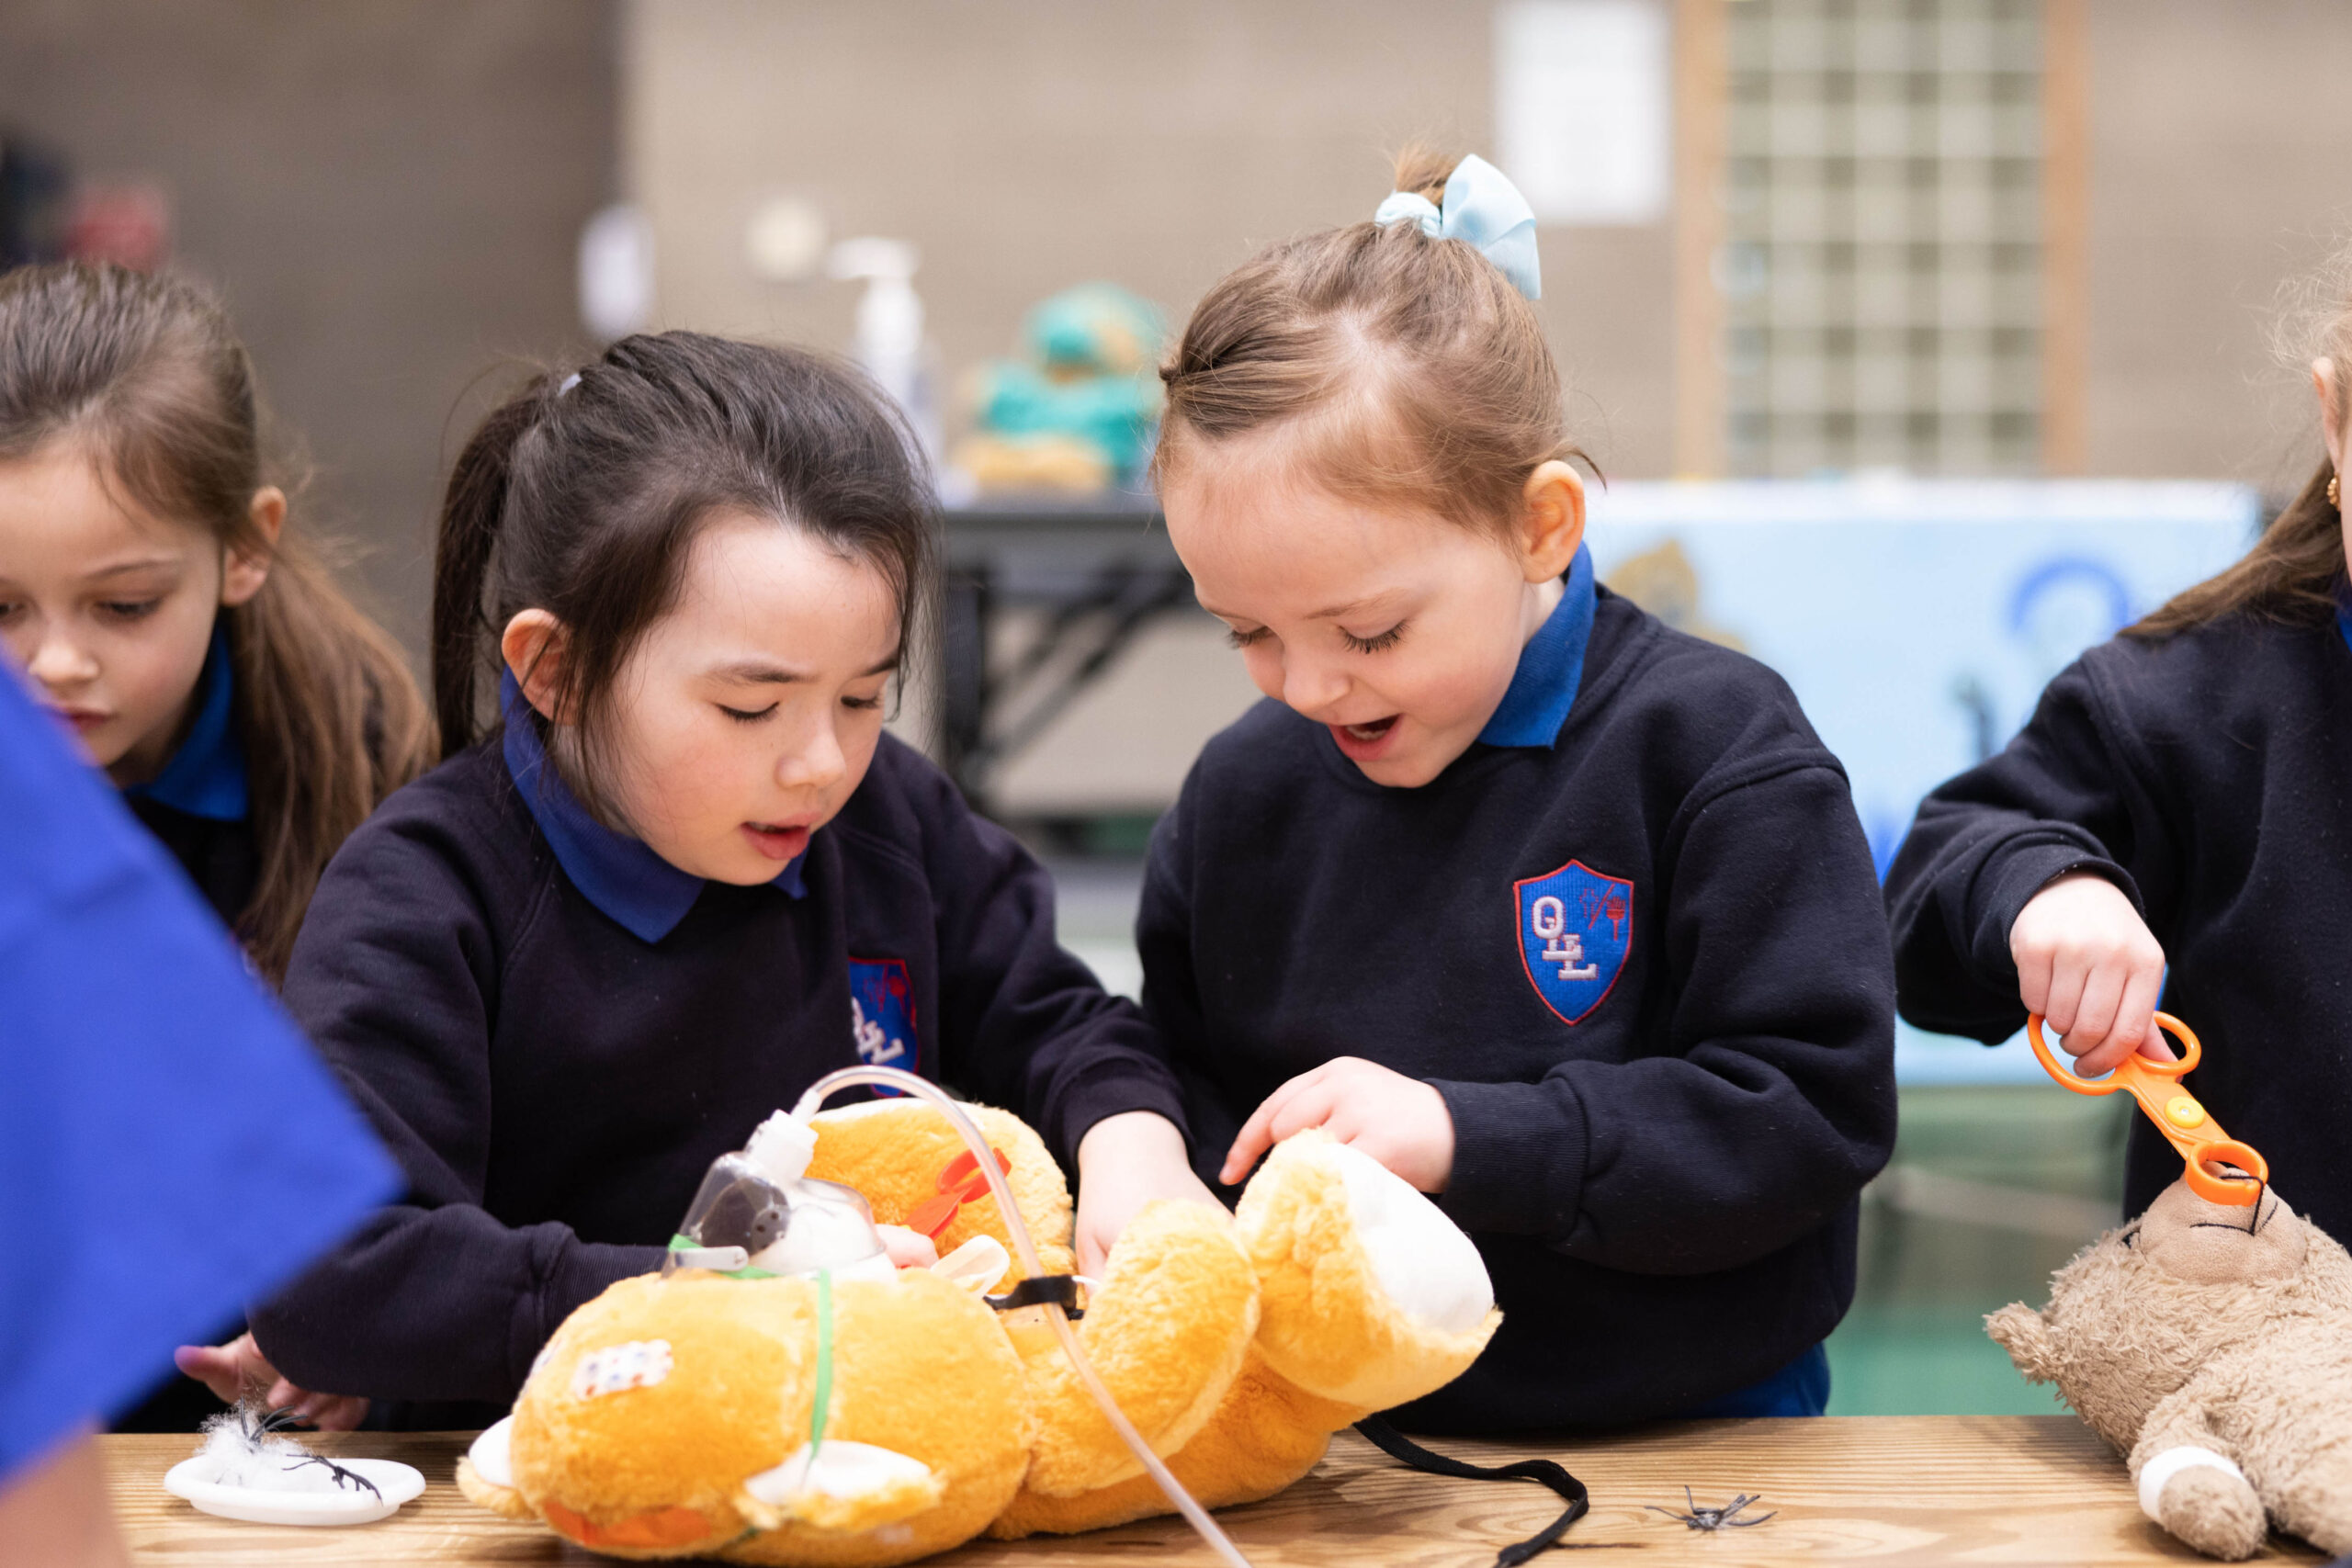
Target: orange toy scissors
(2208,1153)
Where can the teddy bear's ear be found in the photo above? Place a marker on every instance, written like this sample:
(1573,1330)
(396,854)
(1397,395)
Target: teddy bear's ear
(2025,1334)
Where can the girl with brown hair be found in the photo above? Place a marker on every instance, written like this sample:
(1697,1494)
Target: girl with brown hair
(162,609)
(2175,822)
(1564,916)
(152,588)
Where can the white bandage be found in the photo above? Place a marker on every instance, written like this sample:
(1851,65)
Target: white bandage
(2171,1462)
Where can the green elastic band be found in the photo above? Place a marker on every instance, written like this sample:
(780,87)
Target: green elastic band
(824,1362)
(684,1243)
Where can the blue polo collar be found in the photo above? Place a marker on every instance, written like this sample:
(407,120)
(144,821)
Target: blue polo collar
(206,776)
(622,876)
(1551,667)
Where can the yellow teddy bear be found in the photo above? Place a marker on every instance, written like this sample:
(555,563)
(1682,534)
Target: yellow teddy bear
(845,1420)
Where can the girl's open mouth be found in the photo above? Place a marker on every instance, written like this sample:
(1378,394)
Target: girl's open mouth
(777,843)
(1364,742)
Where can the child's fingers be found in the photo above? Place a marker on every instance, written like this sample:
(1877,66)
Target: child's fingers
(2064,999)
(2135,1015)
(907,1248)
(2033,979)
(2101,1059)
(343,1413)
(1257,1134)
(212,1367)
(2095,1015)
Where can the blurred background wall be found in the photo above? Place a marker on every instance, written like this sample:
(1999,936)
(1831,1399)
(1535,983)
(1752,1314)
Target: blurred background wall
(390,195)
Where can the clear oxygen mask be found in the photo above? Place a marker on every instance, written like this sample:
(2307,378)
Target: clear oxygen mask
(757,1213)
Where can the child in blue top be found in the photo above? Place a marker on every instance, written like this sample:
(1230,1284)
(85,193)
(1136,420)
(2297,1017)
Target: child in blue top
(684,875)
(1564,916)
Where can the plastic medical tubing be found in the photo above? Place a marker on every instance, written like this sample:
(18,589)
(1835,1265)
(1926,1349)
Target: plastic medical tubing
(891,1078)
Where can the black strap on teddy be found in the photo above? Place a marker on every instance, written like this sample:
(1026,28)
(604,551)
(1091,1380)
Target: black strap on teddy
(1398,1447)
(1061,1290)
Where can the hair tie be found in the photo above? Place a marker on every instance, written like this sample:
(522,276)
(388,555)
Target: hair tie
(1483,209)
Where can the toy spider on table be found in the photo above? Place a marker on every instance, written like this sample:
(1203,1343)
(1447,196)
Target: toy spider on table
(1700,1518)
(258,1428)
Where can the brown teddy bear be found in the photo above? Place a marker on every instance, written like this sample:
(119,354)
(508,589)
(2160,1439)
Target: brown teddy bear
(2212,1345)
(860,1421)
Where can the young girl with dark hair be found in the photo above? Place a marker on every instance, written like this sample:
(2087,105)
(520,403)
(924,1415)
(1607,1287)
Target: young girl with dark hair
(2175,822)
(1562,916)
(165,610)
(683,875)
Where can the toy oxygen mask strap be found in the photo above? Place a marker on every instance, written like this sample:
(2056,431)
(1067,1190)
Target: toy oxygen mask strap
(824,1363)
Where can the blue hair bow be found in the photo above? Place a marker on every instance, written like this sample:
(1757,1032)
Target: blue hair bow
(1483,207)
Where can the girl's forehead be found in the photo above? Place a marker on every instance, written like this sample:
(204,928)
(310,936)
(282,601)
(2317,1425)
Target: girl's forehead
(758,584)
(59,508)
(1292,546)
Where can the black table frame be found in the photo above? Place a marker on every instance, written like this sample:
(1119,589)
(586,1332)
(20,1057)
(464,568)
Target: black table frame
(1100,571)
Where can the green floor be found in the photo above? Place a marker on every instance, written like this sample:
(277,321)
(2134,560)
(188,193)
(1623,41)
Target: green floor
(1990,1190)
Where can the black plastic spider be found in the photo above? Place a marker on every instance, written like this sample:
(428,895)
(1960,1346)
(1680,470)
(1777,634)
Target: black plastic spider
(1700,1518)
(256,1429)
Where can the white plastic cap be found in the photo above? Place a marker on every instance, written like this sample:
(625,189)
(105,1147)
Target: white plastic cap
(781,1148)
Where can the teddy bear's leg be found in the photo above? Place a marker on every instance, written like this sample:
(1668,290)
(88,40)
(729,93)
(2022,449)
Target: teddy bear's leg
(486,1475)
(1167,1334)
(1267,1433)
(2190,1484)
(1372,1296)
(2315,1502)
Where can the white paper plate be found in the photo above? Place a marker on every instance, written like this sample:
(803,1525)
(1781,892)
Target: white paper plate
(398,1483)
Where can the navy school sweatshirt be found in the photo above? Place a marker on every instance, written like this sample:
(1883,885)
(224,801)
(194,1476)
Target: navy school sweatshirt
(556,1068)
(2208,775)
(1634,938)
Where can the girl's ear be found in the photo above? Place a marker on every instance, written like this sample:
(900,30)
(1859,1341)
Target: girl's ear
(2325,382)
(533,646)
(244,573)
(1550,523)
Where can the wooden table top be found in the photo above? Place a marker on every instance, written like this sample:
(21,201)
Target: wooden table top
(1909,1489)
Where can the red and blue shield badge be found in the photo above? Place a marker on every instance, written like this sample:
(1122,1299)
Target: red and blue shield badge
(1575,926)
(882,1014)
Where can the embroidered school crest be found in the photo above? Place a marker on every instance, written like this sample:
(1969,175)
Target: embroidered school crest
(882,1014)
(1574,927)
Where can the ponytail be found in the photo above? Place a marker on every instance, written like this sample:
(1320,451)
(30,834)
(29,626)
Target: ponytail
(464,640)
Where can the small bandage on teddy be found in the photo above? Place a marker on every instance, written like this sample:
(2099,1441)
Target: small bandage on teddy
(2171,1462)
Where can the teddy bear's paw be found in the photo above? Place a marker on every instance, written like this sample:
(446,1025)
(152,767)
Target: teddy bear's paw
(486,1475)
(842,1486)
(2204,1499)
(1372,1296)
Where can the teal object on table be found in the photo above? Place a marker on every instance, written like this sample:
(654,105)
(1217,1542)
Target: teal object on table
(1088,370)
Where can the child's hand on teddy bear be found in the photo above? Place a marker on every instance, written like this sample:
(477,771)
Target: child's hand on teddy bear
(1401,1122)
(1125,1162)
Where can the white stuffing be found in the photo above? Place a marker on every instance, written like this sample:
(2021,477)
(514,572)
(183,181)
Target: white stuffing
(239,1451)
